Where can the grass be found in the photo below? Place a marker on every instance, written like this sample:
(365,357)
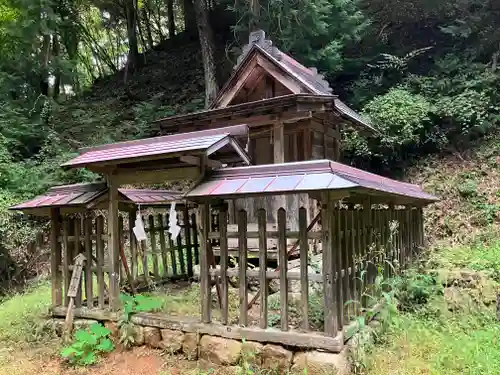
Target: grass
(432,339)
(21,315)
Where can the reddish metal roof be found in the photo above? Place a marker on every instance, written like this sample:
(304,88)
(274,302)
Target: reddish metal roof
(82,195)
(301,177)
(159,146)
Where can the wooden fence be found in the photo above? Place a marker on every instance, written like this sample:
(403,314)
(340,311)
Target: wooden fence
(155,260)
(358,243)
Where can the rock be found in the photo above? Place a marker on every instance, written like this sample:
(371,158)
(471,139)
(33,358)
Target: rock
(171,341)
(54,326)
(457,299)
(83,324)
(190,345)
(276,358)
(320,363)
(138,334)
(220,351)
(251,353)
(152,337)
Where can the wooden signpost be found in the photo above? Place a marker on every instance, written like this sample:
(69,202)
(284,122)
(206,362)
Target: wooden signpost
(74,285)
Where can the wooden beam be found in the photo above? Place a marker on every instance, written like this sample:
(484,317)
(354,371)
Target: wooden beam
(196,160)
(126,177)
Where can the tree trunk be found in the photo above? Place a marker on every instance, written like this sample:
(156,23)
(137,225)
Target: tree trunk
(147,25)
(207,50)
(44,65)
(170,18)
(190,17)
(133,52)
(255,15)
(57,73)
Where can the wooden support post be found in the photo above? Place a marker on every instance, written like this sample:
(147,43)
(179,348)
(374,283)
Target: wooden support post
(55,257)
(89,276)
(206,295)
(304,262)
(264,285)
(154,250)
(224,265)
(365,217)
(76,250)
(163,244)
(187,236)
(352,261)
(242,263)
(99,230)
(113,245)
(327,218)
(133,245)
(283,264)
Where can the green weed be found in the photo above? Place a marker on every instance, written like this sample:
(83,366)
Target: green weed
(88,345)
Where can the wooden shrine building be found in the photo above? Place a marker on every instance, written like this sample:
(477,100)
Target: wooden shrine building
(263,165)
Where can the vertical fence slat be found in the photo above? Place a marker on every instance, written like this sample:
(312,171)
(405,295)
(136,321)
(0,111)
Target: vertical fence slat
(359,258)
(337,229)
(352,261)
(55,257)
(345,264)
(99,229)
(171,248)
(206,295)
(133,245)
(154,254)
(410,234)
(66,258)
(283,264)
(224,265)
(187,238)
(76,250)
(121,249)
(262,224)
(365,220)
(89,276)
(242,263)
(328,294)
(196,245)
(304,262)
(163,245)
(180,251)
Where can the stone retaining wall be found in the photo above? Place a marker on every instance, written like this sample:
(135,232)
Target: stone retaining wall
(212,351)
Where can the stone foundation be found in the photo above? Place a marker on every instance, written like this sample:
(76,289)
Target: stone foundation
(213,351)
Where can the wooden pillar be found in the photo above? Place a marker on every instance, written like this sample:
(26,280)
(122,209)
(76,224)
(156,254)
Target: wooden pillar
(55,260)
(113,245)
(262,223)
(279,201)
(224,264)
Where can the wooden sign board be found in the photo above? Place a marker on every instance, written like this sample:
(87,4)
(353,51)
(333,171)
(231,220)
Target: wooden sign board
(76,275)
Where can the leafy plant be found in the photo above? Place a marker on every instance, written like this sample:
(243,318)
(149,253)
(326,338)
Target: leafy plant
(88,344)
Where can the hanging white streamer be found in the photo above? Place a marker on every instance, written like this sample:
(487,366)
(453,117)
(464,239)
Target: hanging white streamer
(138,229)
(173,228)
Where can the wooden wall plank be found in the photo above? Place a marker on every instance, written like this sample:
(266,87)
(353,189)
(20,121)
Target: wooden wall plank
(304,262)
(352,261)
(283,264)
(346,292)
(242,263)
(263,282)
(55,258)
(89,276)
(99,231)
(224,265)
(113,245)
(337,259)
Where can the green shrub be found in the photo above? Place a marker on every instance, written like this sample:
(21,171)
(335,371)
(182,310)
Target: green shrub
(415,290)
(88,344)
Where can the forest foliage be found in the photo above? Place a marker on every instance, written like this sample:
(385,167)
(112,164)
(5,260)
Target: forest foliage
(80,72)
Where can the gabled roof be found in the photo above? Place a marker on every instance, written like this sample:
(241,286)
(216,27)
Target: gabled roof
(308,176)
(185,144)
(309,79)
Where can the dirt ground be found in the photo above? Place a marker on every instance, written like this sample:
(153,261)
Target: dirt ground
(137,361)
